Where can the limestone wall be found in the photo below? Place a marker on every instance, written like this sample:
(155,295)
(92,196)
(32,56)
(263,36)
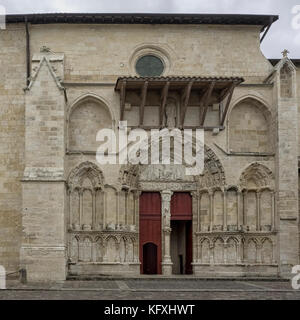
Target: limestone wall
(75,219)
(104,52)
(12,82)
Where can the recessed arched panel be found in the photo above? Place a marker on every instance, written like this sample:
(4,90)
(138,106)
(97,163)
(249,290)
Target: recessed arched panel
(111,205)
(218,210)
(86,119)
(87,205)
(267,252)
(232,209)
(251,252)
(122,250)
(219,251)
(204,211)
(131,209)
(75,207)
(122,208)
(231,251)
(266,210)
(249,127)
(99,250)
(205,251)
(251,210)
(74,249)
(99,208)
(129,251)
(87,250)
(111,250)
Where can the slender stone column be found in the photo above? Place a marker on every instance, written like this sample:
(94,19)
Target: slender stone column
(195,225)
(273,223)
(94,210)
(244,212)
(199,212)
(80,208)
(211,211)
(258,210)
(105,210)
(240,257)
(224,210)
(259,253)
(118,195)
(69,210)
(238,197)
(166,231)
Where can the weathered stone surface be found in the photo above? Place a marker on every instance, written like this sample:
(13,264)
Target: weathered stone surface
(61,212)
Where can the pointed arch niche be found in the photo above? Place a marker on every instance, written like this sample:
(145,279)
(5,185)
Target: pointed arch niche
(86,197)
(250,127)
(86,117)
(257,185)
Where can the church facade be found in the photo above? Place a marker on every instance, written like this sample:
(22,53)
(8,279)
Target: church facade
(64,77)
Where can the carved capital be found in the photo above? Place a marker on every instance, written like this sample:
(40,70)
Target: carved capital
(195,194)
(167,230)
(166,195)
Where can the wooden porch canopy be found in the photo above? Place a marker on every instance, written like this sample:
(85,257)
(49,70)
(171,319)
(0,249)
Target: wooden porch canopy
(210,90)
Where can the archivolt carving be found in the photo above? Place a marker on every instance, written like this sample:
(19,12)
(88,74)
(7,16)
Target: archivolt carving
(129,176)
(257,174)
(213,175)
(86,170)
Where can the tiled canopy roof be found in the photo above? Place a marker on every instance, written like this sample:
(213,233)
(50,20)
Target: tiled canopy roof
(178,80)
(144,18)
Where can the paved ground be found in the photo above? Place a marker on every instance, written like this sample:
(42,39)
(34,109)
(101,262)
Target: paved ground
(151,289)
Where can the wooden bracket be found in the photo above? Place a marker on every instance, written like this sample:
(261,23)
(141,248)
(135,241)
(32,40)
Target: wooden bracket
(143,101)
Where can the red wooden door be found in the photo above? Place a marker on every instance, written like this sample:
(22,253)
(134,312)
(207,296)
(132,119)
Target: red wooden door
(150,231)
(181,209)
(181,206)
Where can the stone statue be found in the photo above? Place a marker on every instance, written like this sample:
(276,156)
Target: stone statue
(170,116)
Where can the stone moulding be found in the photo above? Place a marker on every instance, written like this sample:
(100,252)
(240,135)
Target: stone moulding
(43,174)
(56,78)
(86,169)
(258,172)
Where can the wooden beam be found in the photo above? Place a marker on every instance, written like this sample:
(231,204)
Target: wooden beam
(164,97)
(143,101)
(225,92)
(185,100)
(204,102)
(227,104)
(122,99)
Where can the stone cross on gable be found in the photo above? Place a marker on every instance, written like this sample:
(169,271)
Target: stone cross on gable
(285,53)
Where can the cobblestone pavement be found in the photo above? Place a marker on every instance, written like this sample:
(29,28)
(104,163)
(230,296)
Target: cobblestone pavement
(150,289)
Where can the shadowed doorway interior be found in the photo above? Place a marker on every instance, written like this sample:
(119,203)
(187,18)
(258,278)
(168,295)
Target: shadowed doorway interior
(181,235)
(149,258)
